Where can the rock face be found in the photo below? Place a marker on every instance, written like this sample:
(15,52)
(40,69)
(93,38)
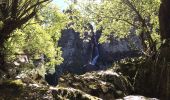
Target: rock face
(69,45)
(115,49)
(77,52)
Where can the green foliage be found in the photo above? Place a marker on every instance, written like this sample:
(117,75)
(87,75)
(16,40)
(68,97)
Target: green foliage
(39,36)
(20,9)
(118,16)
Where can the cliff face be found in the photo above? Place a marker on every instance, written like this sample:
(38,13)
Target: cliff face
(114,49)
(77,52)
(74,51)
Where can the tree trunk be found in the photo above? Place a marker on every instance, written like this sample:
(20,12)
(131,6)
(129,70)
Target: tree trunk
(7,29)
(159,70)
(4,35)
(154,76)
(164,57)
(164,19)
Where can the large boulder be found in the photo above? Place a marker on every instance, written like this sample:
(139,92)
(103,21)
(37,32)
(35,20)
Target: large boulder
(18,90)
(107,84)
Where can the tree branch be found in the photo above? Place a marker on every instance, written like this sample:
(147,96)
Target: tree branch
(14,9)
(24,6)
(25,19)
(142,20)
(116,19)
(32,7)
(128,3)
(124,20)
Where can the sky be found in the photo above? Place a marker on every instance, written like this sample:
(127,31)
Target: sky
(61,3)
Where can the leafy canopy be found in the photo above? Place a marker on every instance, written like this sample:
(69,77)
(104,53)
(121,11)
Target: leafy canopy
(39,36)
(117,17)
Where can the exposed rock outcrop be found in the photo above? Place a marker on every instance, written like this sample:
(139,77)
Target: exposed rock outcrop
(77,52)
(16,89)
(107,85)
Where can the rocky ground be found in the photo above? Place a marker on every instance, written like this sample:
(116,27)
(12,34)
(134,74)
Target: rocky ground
(107,85)
(100,85)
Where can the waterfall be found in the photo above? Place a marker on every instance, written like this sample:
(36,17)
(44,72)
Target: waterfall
(95,50)
(52,79)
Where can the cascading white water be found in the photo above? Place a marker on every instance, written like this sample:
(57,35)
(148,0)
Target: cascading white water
(96,50)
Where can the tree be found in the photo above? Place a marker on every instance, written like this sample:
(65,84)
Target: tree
(163,67)
(118,16)
(164,20)
(38,36)
(13,14)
